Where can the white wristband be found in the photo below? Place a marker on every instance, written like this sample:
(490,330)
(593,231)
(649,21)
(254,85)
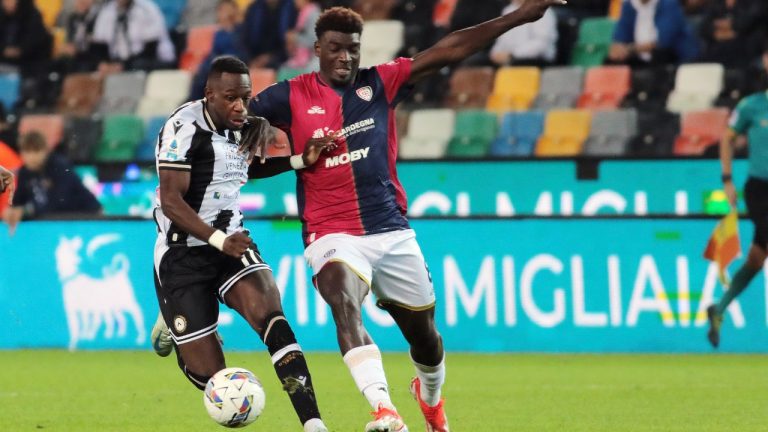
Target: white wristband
(217,239)
(297,162)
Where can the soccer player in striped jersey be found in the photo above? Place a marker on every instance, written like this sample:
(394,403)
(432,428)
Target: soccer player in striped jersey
(749,120)
(203,254)
(353,208)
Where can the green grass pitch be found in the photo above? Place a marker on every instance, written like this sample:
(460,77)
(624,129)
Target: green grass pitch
(137,391)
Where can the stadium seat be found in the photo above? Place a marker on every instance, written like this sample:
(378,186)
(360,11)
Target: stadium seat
(472,135)
(50,10)
(614,9)
(374,9)
(122,135)
(610,132)
(470,87)
(428,134)
(146,150)
(696,87)
(164,91)
(82,134)
(514,88)
(10,85)
(564,133)
(518,134)
(59,41)
(172,11)
(656,133)
(80,94)
(50,125)
(122,92)
(595,37)
(605,87)
(560,87)
(381,41)
(199,44)
(262,78)
(736,85)
(650,88)
(699,130)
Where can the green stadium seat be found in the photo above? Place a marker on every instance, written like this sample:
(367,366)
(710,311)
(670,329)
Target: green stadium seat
(122,135)
(473,133)
(595,36)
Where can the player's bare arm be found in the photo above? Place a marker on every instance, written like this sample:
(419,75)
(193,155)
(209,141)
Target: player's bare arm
(462,43)
(274,166)
(173,186)
(7,183)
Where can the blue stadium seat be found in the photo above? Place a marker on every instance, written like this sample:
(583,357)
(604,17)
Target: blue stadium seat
(9,90)
(519,133)
(146,150)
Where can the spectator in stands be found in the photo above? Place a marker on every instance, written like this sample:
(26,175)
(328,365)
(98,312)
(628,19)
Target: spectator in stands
(652,32)
(532,44)
(266,23)
(79,26)
(7,183)
(25,43)
(300,41)
(131,34)
(47,185)
(228,40)
(733,31)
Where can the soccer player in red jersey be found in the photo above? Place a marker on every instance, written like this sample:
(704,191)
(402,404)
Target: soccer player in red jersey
(352,206)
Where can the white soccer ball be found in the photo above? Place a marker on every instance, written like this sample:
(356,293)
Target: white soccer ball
(234,397)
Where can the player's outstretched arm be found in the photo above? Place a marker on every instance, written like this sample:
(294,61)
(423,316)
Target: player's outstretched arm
(462,43)
(276,165)
(173,187)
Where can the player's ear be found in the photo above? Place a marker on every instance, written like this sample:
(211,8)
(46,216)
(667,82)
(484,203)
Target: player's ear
(317,48)
(208,92)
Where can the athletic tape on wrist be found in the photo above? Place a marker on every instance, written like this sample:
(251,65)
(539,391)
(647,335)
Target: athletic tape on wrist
(297,162)
(217,239)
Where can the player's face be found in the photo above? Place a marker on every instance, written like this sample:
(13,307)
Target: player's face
(228,99)
(339,55)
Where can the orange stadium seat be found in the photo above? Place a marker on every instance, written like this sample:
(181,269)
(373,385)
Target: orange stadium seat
(564,133)
(514,88)
(470,87)
(614,9)
(243,4)
(199,44)
(699,130)
(80,94)
(50,125)
(262,78)
(605,87)
(50,10)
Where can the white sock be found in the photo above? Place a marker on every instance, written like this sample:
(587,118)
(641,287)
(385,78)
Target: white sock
(315,425)
(432,379)
(367,370)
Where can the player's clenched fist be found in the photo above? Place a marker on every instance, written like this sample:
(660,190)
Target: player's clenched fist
(236,244)
(533,10)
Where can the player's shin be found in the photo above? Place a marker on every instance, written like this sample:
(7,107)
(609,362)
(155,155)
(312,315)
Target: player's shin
(367,370)
(197,380)
(291,368)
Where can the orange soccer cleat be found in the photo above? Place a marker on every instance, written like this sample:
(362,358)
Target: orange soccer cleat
(434,415)
(386,420)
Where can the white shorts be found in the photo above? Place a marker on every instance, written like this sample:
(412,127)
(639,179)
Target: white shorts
(390,263)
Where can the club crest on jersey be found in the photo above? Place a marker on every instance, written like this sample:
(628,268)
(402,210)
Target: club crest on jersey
(365,93)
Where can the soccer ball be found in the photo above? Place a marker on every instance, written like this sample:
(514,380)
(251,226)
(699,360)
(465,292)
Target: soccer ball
(234,397)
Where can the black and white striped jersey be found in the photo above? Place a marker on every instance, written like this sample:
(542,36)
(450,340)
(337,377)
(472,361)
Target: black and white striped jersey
(189,141)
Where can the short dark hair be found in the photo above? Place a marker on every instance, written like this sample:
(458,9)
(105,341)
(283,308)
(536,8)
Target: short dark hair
(227,64)
(339,19)
(33,141)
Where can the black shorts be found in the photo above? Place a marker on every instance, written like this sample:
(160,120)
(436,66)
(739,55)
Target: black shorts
(756,198)
(191,282)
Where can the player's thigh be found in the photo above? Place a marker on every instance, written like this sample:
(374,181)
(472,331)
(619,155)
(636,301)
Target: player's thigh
(184,283)
(341,271)
(756,199)
(255,297)
(401,277)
